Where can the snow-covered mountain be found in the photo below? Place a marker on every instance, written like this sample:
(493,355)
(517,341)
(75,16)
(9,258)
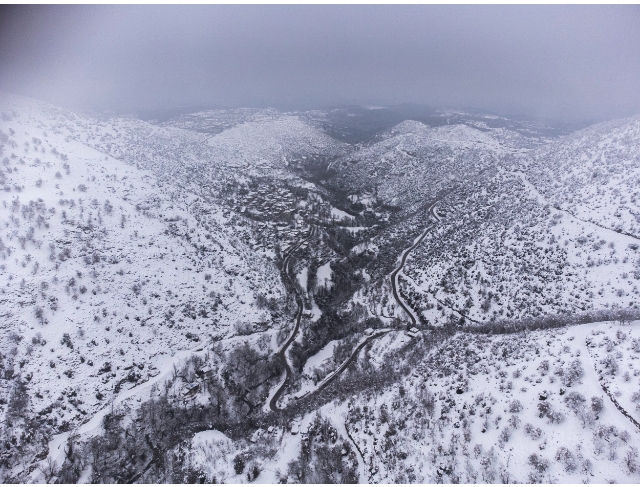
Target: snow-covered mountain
(239,296)
(594,174)
(107,271)
(413,162)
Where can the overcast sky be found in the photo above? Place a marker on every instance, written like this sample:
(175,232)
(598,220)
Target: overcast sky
(568,62)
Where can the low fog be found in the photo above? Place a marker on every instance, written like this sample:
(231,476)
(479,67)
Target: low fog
(562,62)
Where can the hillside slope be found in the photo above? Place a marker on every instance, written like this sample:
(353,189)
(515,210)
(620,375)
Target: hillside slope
(508,246)
(593,173)
(235,295)
(106,273)
(413,161)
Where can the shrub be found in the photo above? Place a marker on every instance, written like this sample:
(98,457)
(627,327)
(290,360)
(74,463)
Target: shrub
(505,435)
(18,399)
(610,364)
(106,367)
(40,314)
(243,328)
(544,367)
(238,464)
(253,471)
(477,450)
(535,433)
(539,463)
(428,400)
(543,409)
(575,401)
(597,404)
(631,459)
(195,476)
(515,406)
(555,417)
(573,374)
(66,340)
(15,337)
(568,459)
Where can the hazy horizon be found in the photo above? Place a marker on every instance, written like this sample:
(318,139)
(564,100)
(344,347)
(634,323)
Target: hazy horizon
(560,62)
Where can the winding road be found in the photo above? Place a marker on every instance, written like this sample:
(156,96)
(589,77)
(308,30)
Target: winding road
(327,380)
(394,275)
(282,353)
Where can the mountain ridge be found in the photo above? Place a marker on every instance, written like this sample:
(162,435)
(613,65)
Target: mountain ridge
(190,270)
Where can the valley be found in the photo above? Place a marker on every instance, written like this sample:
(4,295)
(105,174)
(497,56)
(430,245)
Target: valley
(356,295)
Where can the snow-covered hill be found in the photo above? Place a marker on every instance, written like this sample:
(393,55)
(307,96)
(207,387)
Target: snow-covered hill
(505,247)
(273,143)
(593,173)
(233,295)
(216,121)
(502,251)
(413,161)
(106,272)
(525,408)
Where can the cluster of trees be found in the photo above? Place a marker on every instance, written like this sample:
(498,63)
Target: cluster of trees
(151,447)
(500,327)
(324,458)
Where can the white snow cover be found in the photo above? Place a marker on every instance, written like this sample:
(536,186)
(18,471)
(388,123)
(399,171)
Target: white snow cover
(324,274)
(105,271)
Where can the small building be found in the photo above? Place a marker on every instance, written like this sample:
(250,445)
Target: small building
(205,372)
(368,331)
(256,435)
(413,332)
(189,391)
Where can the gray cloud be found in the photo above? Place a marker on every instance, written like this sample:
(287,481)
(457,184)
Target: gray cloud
(555,61)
